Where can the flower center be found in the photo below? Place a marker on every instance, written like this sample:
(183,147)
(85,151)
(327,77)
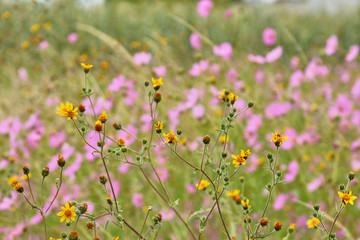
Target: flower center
(67,213)
(346,197)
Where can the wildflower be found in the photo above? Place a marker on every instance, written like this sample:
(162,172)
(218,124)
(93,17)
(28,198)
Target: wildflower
(235,195)
(61,161)
(158,126)
(90,225)
(87,67)
(83,208)
(73,236)
(121,142)
(26,177)
(108,199)
(98,126)
(117,125)
(312,223)
(264,221)
(6,15)
(13,180)
(245,154)
(278,226)
(347,198)
(203,184)
(223,95)
(103,117)
(26,170)
(45,171)
(222,139)
(157,97)
(157,83)
(269,36)
(157,218)
(224,50)
(245,204)
(170,137)
(67,213)
(238,160)
(291,228)
(18,187)
(117,238)
(232,97)
(34,28)
(206,139)
(67,110)
(278,139)
(54,238)
(25,45)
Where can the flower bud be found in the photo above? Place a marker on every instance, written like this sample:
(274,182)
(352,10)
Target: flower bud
(351,176)
(332,235)
(179,132)
(250,104)
(83,208)
(157,97)
(117,125)
(315,214)
(242,179)
(124,149)
(264,222)
(316,207)
(45,171)
(81,108)
(277,226)
(64,235)
(144,141)
(269,156)
(206,139)
(102,179)
(61,162)
(278,173)
(226,92)
(90,225)
(108,200)
(224,154)
(291,228)
(98,126)
(73,236)
(26,170)
(18,187)
(247,219)
(342,187)
(146,83)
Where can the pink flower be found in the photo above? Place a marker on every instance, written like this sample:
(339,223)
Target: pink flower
(256,58)
(72,38)
(277,109)
(293,170)
(232,74)
(223,50)
(204,7)
(294,63)
(195,40)
(316,183)
(163,174)
(259,76)
(190,188)
(269,36)
(228,13)
(296,78)
(198,111)
(274,54)
(343,107)
(160,71)
(142,58)
(138,200)
(215,69)
(44,45)
(117,83)
(355,145)
(198,68)
(129,139)
(71,170)
(33,139)
(352,54)
(355,91)
(289,143)
(57,139)
(23,74)
(280,201)
(331,45)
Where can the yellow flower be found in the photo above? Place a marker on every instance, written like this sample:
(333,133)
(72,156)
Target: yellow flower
(6,15)
(222,139)
(235,195)
(203,184)
(121,142)
(67,110)
(238,160)
(232,97)
(34,28)
(103,117)
(67,213)
(135,44)
(170,137)
(223,96)
(98,126)
(25,45)
(86,67)
(245,154)
(157,82)
(347,198)
(245,204)
(13,180)
(312,223)
(117,238)
(292,226)
(25,177)
(278,139)
(54,238)
(159,126)
(18,187)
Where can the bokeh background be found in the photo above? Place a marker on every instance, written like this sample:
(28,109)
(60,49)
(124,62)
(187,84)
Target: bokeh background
(304,83)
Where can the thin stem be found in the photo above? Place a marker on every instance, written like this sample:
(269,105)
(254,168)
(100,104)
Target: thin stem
(28,180)
(132,229)
(57,192)
(77,220)
(146,217)
(336,217)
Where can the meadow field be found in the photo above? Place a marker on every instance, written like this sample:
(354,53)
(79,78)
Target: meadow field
(178,120)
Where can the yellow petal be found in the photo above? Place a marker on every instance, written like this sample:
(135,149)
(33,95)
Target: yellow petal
(60,214)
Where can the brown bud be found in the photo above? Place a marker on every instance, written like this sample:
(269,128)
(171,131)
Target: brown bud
(277,226)
(61,161)
(73,236)
(81,108)
(206,139)
(26,170)
(264,222)
(157,97)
